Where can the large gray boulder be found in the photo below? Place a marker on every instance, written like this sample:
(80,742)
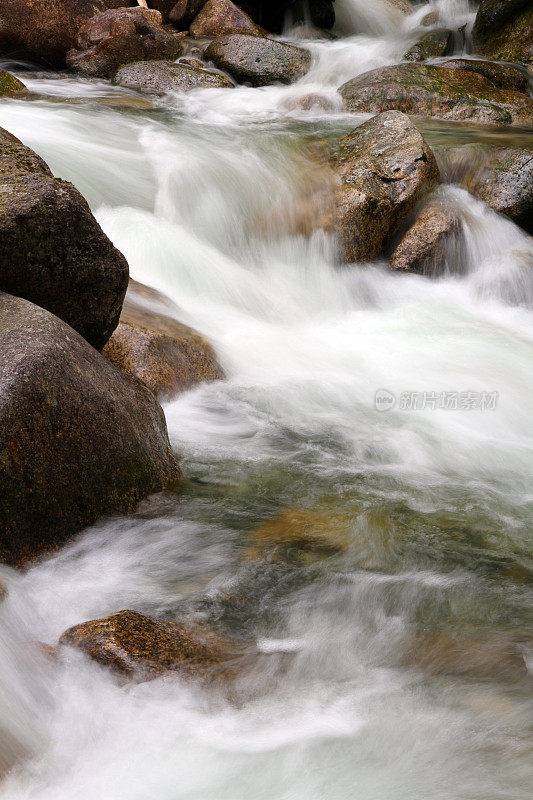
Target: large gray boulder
(160,77)
(78,439)
(120,36)
(258,61)
(52,250)
(383,169)
(434,91)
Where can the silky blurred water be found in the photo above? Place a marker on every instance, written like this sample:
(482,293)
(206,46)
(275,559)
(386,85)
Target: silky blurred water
(206,194)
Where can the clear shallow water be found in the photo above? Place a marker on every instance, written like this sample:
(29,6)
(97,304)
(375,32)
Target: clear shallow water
(205,195)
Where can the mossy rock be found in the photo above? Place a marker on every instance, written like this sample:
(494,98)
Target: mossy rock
(503,30)
(434,91)
(9,85)
(431,45)
(504,76)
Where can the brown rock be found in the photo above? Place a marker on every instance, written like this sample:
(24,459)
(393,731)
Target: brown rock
(52,250)
(120,36)
(184,11)
(497,656)
(504,76)
(315,529)
(46,29)
(77,438)
(220,17)
(432,91)
(165,355)
(424,246)
(384,168)
(140,646)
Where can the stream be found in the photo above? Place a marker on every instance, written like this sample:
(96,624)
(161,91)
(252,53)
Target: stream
(424,513)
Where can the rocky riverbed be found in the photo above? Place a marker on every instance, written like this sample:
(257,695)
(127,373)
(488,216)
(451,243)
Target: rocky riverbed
(265,292)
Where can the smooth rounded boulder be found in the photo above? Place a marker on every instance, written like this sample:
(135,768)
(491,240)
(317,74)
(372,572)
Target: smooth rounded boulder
(167,356)
(138,646)
(52,250)
(46,30)
(383,169)
(78,439)
(434,91)
(220,17)
(503,30)
(120,36)
(258,61)
(161,77)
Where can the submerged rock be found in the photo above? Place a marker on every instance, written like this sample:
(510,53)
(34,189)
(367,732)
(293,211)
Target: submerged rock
(9,85)
(220,17)
(431,45)
(160,77)
(424,246)
(384,168)
(165,355)
(118,37)
(497,656)
(432,91)
(504,76)
(258,61)
(77,438)
(52,250)
(140,646)
(504,180)
(313,529)
(503,30)
(46,29)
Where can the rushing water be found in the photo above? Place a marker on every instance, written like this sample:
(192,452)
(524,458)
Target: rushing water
(204,195)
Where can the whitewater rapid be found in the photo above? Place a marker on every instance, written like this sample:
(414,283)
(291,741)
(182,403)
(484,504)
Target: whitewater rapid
(203,193)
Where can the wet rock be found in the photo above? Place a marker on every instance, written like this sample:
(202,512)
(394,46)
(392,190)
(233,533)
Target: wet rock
(220,17)
(503,30)
(432,91)
(384,168)
(78,439)
(160,77)
(46,29)
(504,180)
(311,529)
(139,646)
(425,244)
(504,76)
(496,656)
(165,7)
(431,45)
(9,85)
(258,61)
(52,250)
(121,36)
(184,12)
(165,355)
